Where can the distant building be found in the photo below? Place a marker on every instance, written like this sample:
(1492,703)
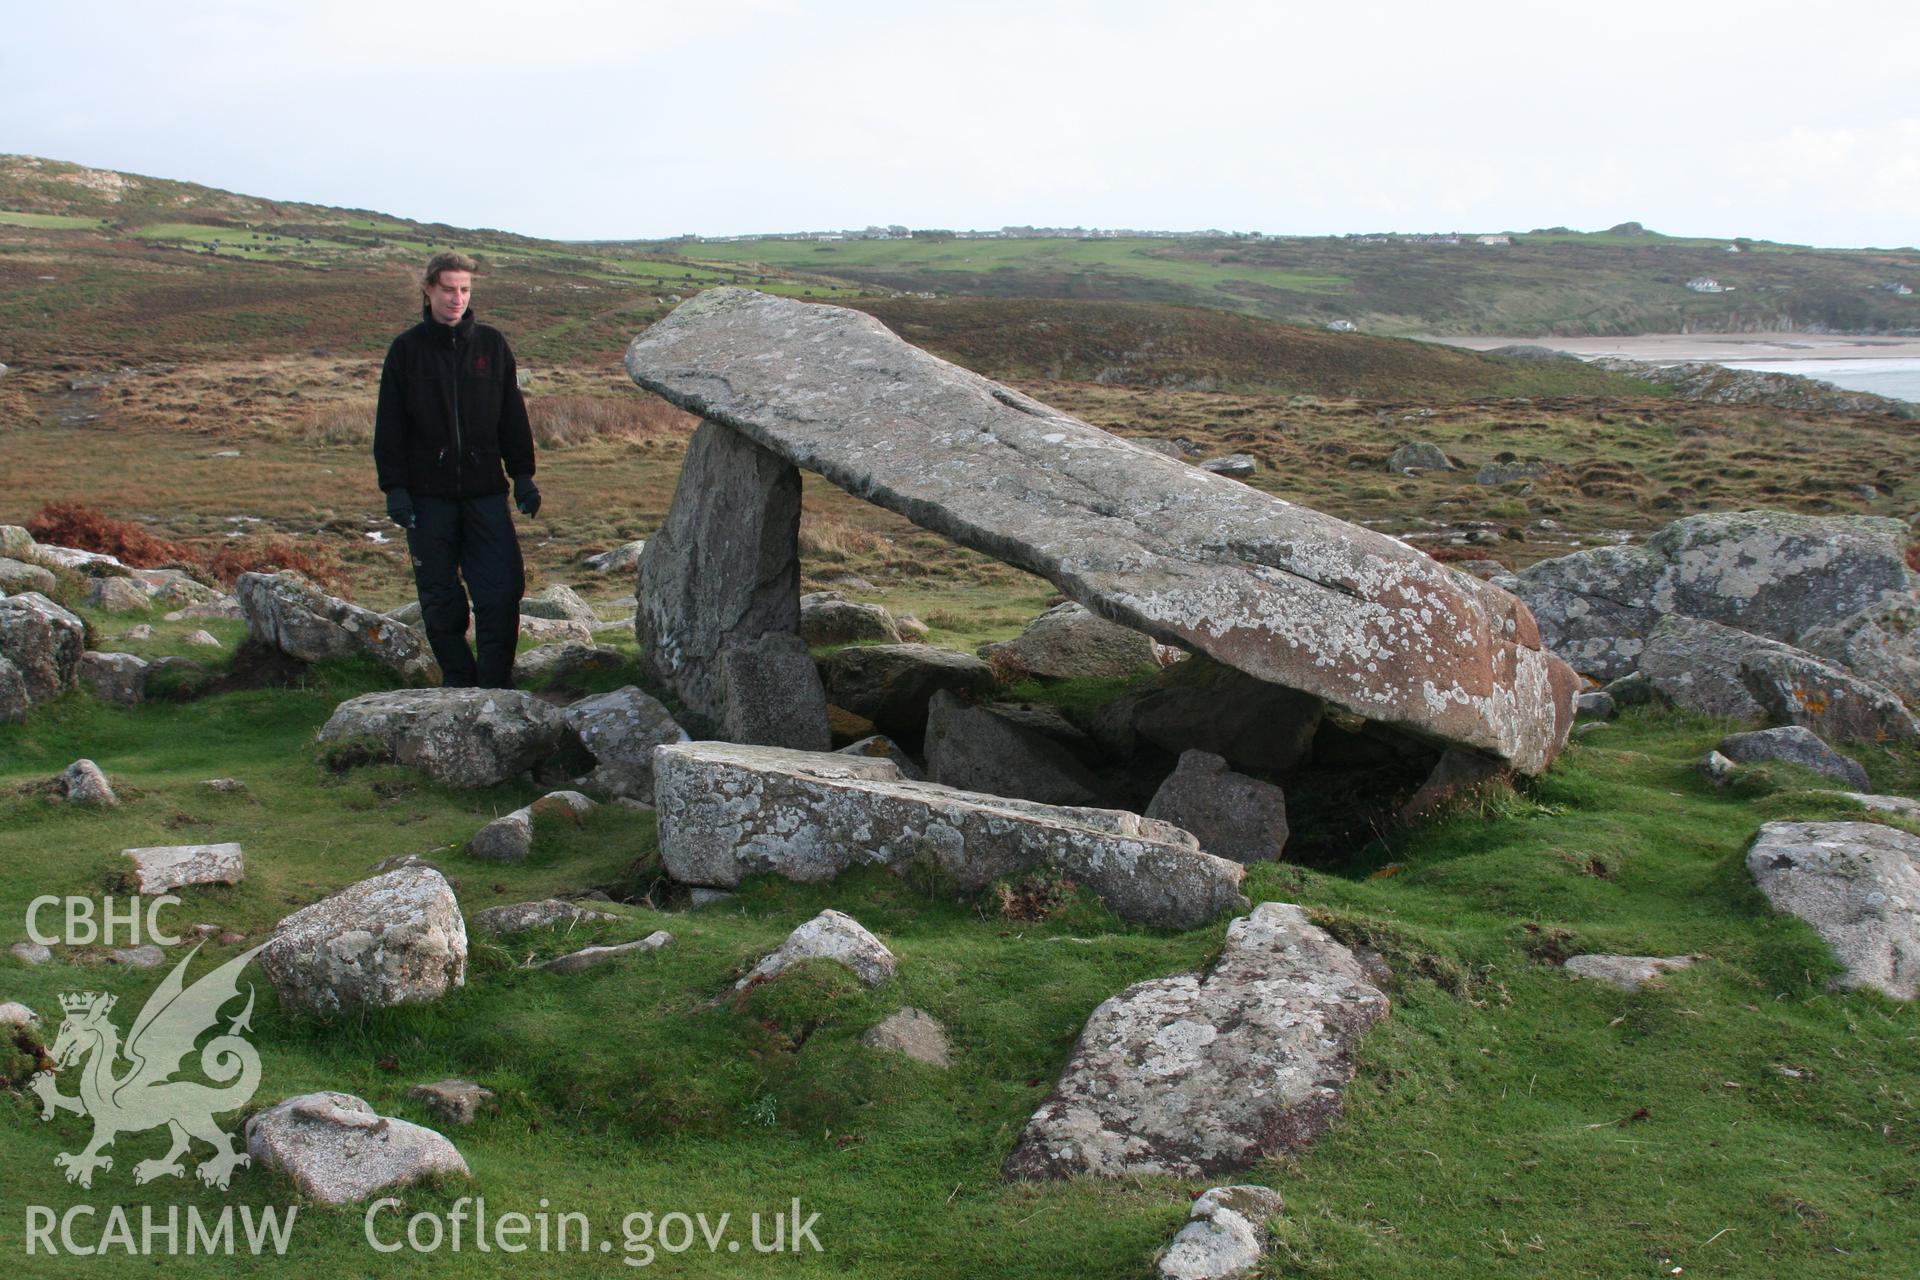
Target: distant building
(1705,284)
(1493,239)
(1342,326)
(1894,286)
(1733,248)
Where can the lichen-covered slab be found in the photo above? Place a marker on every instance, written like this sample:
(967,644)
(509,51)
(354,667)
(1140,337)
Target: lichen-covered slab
(728,811)
(1277,590)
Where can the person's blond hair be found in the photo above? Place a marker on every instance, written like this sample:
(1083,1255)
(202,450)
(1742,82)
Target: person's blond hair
(448,261)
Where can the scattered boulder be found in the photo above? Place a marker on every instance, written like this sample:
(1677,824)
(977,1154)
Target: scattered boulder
(1722,671)
(1858,884)
(173,587)
(203,639)
(1494,473)
(1629,973)
(723,570)
(162,868)
(522,916)
(1880,643)
(772,694)
(458,737)
(620,730)
(891,684)
(1418,455)
(983,749)
(227,607)
(550,631)
(1597,705)
(83,783)
(622,559)
(1232,815)
(16,542)
(556,662)
(1288,595)
(144,956)
(119,678)
(559,603)
(15,1014)
(291,614)
(225,786)
(1197,1074)
(730,811)
(593,957)
(1905,806)
(17,576)
(914,1032)
(118,595)
(31,952)
(1717,770)
(1068,640)
(43,642)
(72,557)
(395,939)
(1237,465)
(338,1151)
(509,838)
(831,935)
(1225,1236)
(1792,744)
(1772,573)
(452,1101)
(827,617)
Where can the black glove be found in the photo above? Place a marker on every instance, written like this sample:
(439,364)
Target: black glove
(526,496)
(400,508)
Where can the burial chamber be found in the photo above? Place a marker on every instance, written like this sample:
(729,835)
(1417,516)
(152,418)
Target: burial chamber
(1277,590)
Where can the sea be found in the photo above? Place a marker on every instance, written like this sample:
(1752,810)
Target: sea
(1897,378)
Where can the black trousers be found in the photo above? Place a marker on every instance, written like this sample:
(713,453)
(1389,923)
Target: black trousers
(471,539)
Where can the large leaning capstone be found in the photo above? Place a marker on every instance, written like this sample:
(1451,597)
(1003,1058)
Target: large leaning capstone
(729,811)
(1279,591)
(1195,1075)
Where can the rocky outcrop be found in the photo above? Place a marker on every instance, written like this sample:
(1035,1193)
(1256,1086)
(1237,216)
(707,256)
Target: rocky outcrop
(17,576)
(1628,973)
(620,730)
(722,571)
(395,939)
(1772,573)
(338,1151)
(1858,884)
(1718,384)
(624,558)
(1070,641)
(1418,455)
(913,1032)
(727,812)
(1723,671)
(559,603)
(118,595)
(522,916)
(43,642)
(1196,1074)
(289,613)
(1281,592)
(458,737)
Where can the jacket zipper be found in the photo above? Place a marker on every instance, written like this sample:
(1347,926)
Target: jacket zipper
(459,451)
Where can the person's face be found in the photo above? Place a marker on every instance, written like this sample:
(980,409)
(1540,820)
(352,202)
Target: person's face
(448,296)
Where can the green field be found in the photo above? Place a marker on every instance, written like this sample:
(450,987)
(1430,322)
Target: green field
(49,221)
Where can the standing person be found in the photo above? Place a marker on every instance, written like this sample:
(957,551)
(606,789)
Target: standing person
(450,428)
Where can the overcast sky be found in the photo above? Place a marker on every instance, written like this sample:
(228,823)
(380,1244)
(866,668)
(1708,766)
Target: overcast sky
(592,119)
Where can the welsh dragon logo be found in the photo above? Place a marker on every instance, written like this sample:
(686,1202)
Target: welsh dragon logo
(142,1096)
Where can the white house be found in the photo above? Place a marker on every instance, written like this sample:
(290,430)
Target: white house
(1705,284)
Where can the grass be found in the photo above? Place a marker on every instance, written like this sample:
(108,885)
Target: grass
(1507,1121)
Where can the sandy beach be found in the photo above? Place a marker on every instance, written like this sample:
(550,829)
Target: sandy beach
(1716,347)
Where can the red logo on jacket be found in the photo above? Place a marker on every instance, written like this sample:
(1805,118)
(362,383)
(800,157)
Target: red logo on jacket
(479,364)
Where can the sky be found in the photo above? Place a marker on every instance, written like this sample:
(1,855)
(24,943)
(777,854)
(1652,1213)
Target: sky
(586,119)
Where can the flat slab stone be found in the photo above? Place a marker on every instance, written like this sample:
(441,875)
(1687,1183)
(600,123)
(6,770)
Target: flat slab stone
(1199,1074)
(521,916)
(729,811)
(458,737)
(1277,590)
(1629,973)
(159,868)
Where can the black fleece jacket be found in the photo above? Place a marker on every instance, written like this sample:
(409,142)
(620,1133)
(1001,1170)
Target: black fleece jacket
(450,416)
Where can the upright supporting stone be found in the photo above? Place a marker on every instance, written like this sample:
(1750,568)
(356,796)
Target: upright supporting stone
(722,572)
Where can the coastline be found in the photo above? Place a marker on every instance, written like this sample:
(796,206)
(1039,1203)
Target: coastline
(1717,348)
